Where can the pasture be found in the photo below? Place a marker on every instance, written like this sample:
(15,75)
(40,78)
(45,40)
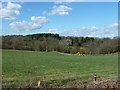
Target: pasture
(25,68)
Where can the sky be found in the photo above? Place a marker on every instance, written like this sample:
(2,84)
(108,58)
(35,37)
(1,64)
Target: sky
(87,19)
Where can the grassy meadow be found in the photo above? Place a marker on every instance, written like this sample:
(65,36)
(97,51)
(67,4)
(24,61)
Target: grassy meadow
(25,68)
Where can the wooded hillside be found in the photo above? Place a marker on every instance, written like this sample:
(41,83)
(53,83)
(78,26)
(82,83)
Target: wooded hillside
(54,42)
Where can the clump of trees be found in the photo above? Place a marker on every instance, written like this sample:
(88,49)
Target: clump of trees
(54,42)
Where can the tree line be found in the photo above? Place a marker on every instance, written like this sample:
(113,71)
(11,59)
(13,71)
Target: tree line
(53,42)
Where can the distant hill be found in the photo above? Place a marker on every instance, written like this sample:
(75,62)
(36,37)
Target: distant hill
(54,42)
(45,35)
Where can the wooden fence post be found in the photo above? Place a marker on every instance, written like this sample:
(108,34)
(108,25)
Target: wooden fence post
(95,77)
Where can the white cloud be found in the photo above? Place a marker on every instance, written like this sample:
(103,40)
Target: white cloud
(58,2)
(94,28)
(52,30)
(115,25)
(106,31)
(65,1)
(36,23)
(25,26)
(10,11)
(72,0)
(0,5)
(39,19)
(62,1)
(59,10)
(57,31)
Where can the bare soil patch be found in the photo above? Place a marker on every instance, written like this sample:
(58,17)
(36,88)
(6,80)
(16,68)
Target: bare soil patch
(97,84)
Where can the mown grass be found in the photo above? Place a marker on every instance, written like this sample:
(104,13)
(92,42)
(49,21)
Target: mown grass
(24,68)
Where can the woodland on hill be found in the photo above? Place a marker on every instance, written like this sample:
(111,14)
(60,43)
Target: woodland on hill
(54,42)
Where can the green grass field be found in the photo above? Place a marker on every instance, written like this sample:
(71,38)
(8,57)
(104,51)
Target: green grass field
(22,68)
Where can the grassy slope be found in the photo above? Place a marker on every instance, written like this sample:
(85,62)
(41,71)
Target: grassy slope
(29,66)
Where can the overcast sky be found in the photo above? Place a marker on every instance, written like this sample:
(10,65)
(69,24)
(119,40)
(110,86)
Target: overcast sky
(98,19)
